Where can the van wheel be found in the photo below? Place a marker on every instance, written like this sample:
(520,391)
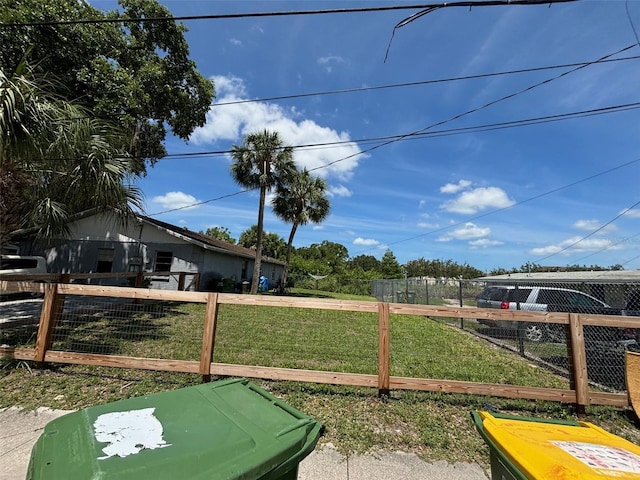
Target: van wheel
(533,332)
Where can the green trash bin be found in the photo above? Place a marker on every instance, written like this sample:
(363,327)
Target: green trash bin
(229,429)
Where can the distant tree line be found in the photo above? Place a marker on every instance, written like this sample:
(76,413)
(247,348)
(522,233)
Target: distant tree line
(328,266)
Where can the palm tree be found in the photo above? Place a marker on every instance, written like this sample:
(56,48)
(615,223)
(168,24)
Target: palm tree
(263,162)
(299,201)
(56,160)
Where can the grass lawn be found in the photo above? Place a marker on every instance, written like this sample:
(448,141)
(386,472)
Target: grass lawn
(435,426)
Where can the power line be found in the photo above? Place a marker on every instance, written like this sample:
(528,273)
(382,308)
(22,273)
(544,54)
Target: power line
(184,207)
(94,21)
(589,234)
(439,133)
(455,117)
(530,199)
(482,107)
(418,83)
(609,247)
(420,136)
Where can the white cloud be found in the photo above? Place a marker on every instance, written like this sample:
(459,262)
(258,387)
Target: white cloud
(576,245)
(631,212)
(592,225)
(366,242)
(235,41)
(172,200)
(484,243)
(473,201)
(422,224)
(455,187)
(329,61)
(233,122)
(465,232)
(422,203)
(339,191)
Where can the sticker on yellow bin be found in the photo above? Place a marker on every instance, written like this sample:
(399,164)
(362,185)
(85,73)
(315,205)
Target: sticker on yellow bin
(557,450)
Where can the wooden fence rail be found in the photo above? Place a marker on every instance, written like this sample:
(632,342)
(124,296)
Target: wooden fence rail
(579,393)
(22,282)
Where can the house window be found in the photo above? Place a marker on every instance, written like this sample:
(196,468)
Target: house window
(163,261)
(245,264)
(105,260)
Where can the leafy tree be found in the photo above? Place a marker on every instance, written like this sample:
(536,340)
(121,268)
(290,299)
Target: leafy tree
(55,160)
(273,245)
(299,201)
(135,72)
(389,266)
(499,271)
(261,162)
(365,262)
(219,233)
(330,255)
(300,266)
(441,268)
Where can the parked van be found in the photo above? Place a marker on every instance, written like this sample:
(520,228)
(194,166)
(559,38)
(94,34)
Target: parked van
(21,265)
(540,299)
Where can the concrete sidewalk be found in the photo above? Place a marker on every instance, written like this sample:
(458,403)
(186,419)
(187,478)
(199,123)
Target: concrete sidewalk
(20,429)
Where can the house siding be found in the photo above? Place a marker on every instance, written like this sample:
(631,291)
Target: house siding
(141,240)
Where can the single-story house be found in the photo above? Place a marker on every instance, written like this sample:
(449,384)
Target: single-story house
(100,242)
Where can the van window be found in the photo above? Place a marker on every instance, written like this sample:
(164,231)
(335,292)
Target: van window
(580,300)
(15,263)
(518,295)
(567,297)
(551,297)
(495,294)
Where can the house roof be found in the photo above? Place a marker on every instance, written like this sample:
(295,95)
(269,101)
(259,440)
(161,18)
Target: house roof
(608,276)
(206,241)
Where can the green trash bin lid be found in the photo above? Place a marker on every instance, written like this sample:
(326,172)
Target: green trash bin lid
(229,429)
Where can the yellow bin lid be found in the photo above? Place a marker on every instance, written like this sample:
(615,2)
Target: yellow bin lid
(562,451)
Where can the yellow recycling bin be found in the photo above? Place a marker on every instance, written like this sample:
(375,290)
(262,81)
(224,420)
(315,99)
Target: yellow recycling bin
(523,448)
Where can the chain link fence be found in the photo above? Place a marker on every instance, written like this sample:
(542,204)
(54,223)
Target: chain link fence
(544,343)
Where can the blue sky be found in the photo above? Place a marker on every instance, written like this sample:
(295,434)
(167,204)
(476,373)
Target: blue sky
(554,193)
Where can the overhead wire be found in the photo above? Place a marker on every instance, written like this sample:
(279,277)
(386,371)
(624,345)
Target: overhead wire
(482,107)
(436,133)
(516,204)
(95,21)
(421,82)
(494,126)
(608,247)
(426,9)
(573,244)
(455,117)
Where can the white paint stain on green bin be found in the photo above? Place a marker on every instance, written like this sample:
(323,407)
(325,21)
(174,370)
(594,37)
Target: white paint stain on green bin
(128,433)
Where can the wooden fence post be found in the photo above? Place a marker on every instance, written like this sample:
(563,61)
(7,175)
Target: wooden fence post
(578,358)
(208,336)
(384,342)
(181,278)
(51,310)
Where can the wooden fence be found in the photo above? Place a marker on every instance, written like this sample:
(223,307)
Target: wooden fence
(16,283)
(578,394)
